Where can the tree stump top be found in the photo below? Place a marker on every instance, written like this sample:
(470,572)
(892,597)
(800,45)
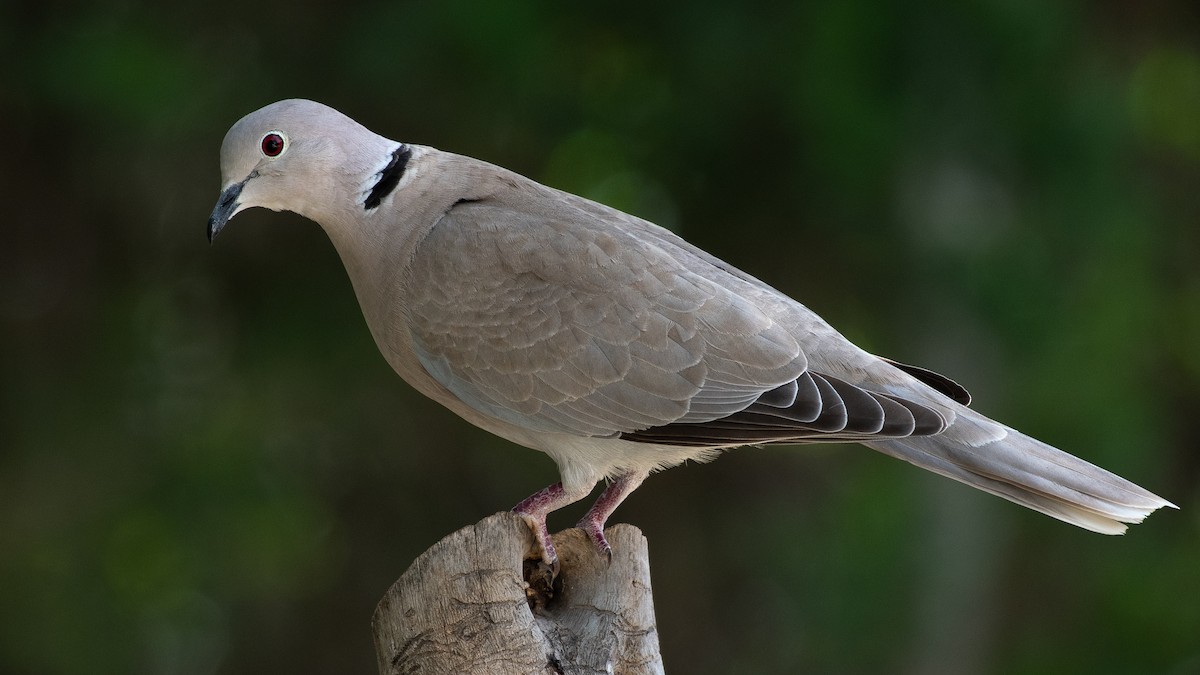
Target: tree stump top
(466,606)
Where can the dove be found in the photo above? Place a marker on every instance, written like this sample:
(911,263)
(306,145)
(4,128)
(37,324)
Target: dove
(605,341)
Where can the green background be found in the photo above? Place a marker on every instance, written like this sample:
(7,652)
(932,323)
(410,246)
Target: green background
(206,467)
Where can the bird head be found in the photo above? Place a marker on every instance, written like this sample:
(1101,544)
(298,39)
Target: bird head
(295,155)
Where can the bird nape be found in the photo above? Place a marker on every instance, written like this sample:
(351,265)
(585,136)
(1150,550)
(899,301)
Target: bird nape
(605,341)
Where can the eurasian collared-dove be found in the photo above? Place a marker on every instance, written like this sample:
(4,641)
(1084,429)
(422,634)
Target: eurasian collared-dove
(605,341)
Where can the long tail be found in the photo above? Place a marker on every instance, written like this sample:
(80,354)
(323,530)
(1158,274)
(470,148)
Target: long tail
(992,457)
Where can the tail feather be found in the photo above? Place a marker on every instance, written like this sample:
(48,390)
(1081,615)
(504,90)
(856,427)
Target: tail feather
(994,458)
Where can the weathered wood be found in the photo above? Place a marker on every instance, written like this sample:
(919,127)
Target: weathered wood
(464,606)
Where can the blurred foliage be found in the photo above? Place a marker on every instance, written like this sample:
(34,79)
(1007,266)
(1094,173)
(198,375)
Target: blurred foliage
(206,467)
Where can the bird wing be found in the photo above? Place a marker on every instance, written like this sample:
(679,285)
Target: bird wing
(561,318)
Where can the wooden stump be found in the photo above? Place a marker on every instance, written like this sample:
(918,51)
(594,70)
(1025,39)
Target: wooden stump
(465,606)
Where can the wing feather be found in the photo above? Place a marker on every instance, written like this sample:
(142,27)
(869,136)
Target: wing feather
(555,325)
(568,322)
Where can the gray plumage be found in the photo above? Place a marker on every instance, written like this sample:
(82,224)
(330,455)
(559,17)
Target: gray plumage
(605,341)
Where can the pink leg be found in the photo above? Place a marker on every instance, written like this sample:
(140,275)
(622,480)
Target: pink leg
(593,521)
(534,510)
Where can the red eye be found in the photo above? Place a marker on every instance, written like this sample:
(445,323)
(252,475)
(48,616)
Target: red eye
(272,144)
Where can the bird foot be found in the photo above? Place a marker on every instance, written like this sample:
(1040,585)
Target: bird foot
(540,573)
(543,540)
(593,521)
(534,509)
(595,532)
